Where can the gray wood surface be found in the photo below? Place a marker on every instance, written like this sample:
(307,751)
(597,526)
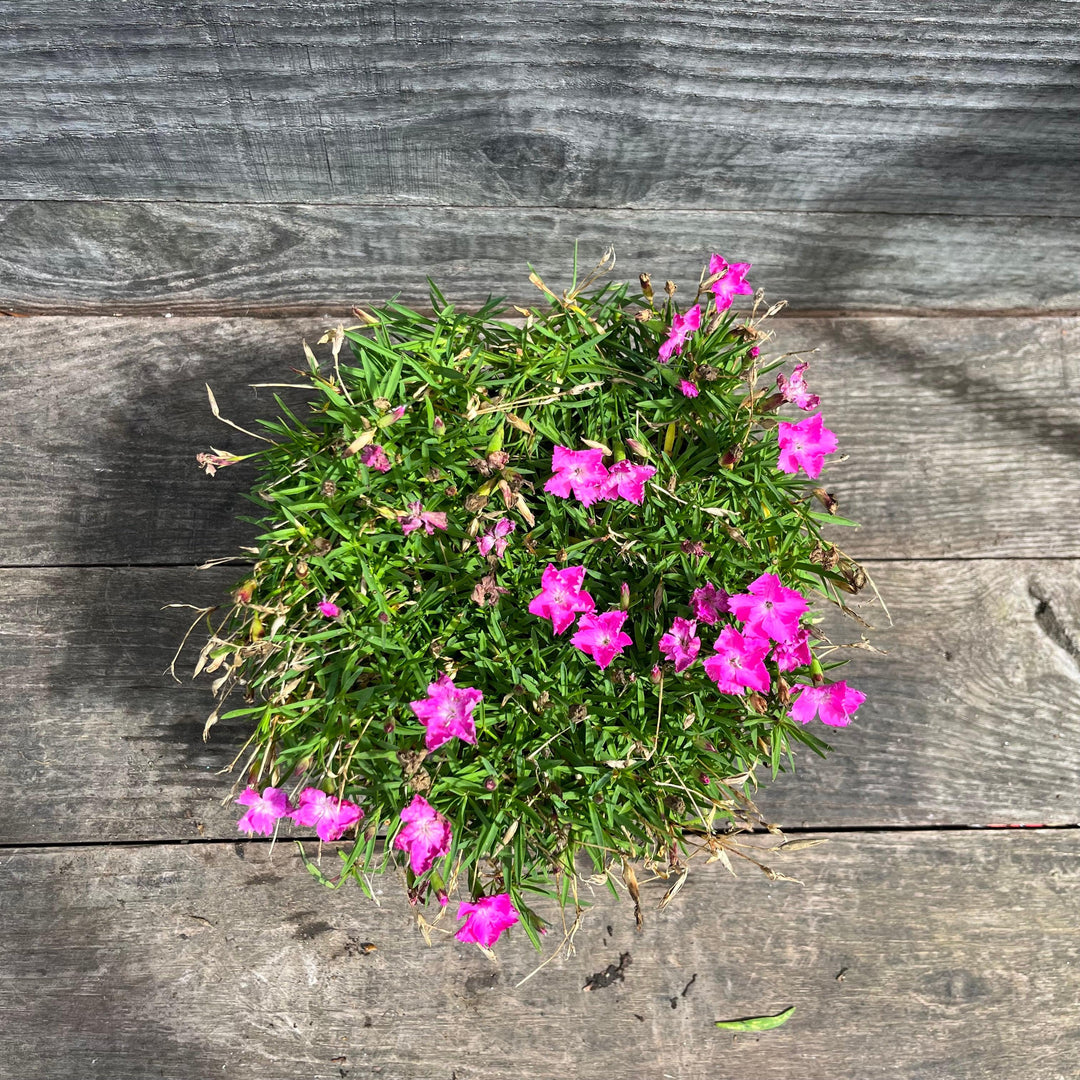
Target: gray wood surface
(219,258)
(961,434)
(970,718)
(211,960)
(804,104)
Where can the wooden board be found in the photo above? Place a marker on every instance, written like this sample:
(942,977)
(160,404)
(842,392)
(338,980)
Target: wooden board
(752,106)
(231,259)
(904,955)
(961,434)
(970,717)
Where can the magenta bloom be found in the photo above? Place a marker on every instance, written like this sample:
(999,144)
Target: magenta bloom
(738,662)
(418,516)
(835,703)
(496,536)
(426,835)
(795,390)
(331,611)
(330,815)
(688,388)
(682,326)
(447,712)
(374,457)
(793,654)
(561,597)
(804,445)
(601,636)
(626,480)
(581,471)
(265,809)
(709,603)
(732,284)
(681,644)
(770,610)
(486,919)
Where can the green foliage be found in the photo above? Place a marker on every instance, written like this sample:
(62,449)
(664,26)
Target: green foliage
(616,763)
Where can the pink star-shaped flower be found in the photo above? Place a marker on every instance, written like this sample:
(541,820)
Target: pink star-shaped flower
(418,516)
(486,919)
(794,389)
(688,388)
(425,836)
(738,663)
(795,653)
(447,712)
(330,815)
(835,703)
(562,596)
(265,810)
(709,603)
(580,471)
(601,636)
(495,537)
(682,326)
(804,445)
(681,644)
(769,609)
(627,481)
(731,284)
(374,457)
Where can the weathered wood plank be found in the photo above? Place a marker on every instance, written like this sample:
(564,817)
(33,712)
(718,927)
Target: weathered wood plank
(218,258)
(961,433)
(918,956)
(758,105)
(970,719)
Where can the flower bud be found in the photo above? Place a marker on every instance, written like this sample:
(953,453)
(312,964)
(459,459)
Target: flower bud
(670,287)
(646,286)
(491,783)
(388,727)
(635,447)
(656,675)
(245,592)
(624,597)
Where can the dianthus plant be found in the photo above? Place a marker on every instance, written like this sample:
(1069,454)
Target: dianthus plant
(534,589)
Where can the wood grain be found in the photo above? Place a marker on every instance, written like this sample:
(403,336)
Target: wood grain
(970,717)
(799,105)
(961,434)
(958,956)
(218,258)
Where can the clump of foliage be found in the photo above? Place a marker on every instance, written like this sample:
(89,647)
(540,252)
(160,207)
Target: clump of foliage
(531,590)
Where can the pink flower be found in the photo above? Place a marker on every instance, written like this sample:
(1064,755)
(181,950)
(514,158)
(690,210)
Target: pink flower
(688,388)
(561,597)
(447,712)
(795,653)
(582,471)
(835,703)
(330,815)
(601,637)
(374,457)
(496,536)
(738,662)
(709,603)
(331,611)
(755,351)
(486,919)
(795,390)
(680,643)
(418,516)
(426,835)
(212,462)
(731,284)
(770,610)
(265,809)
(804,445)
(626,480)
(682,326)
